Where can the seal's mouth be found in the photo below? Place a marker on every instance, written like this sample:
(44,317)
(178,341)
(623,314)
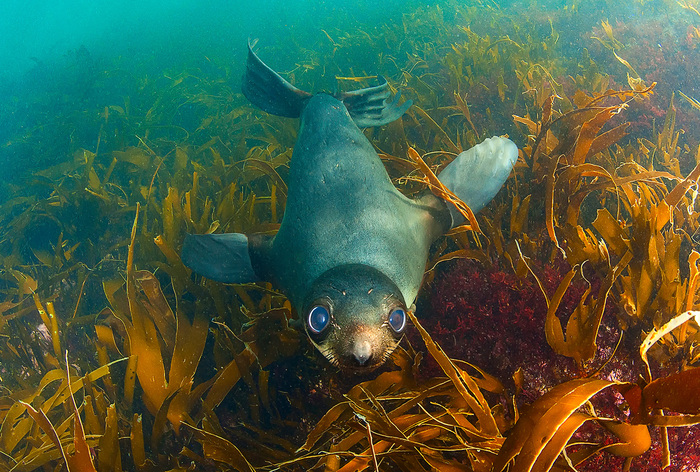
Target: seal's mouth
(362,351)
(348,364)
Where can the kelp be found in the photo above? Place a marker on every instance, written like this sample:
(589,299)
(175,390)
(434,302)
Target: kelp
(400,411)
(172,372)
(14,428)
(400,415)
(80,460)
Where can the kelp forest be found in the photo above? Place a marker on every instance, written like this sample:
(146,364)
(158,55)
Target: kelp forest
(557,330)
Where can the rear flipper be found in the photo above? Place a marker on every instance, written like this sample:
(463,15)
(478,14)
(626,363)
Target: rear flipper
(221,257)
(267,90)
(371,106)
(477,174)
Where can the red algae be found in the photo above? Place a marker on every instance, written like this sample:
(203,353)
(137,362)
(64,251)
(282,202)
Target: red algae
(183,145)
(489,317)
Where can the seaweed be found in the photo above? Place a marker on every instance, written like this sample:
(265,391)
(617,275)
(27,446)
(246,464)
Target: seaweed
(596,229)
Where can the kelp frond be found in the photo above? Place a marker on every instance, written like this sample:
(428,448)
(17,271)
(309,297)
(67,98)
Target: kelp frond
(599,222)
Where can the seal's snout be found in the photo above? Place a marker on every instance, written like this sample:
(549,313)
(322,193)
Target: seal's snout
(362,351)
(365,346)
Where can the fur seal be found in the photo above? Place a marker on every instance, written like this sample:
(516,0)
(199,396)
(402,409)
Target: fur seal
(351,250)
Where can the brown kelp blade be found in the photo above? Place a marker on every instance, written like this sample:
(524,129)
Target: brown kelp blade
(81,459)
(677,393)
(40,418)
(541,422)
(143,337)
(221,450)
(634,438)
(558,442)
(464,384)
(657,333)
(110,458)
(584,322)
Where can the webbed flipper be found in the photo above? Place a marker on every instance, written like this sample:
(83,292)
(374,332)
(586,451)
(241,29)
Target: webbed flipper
(371,106)
(477,174)
(221,257)
(267,90)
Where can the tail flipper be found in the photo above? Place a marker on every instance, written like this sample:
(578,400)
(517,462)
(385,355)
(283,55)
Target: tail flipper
(221,257)
(372,107)
(477,174)
(267,90)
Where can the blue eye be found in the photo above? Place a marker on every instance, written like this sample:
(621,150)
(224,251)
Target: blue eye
(397,320)
(318,319)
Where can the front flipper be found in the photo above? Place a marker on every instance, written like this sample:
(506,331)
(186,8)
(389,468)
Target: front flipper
(477,174)
(221,257)
(371,106)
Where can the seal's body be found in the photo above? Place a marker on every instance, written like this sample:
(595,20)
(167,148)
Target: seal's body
(343,209)
(351,249)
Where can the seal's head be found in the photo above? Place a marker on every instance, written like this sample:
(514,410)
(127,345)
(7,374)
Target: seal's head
(355,315)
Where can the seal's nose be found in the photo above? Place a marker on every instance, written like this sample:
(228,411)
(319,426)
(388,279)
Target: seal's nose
(362,350)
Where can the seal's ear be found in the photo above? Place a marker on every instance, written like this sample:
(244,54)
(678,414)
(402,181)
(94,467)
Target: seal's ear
(220,257)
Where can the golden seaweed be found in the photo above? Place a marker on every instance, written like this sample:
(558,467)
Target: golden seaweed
(583,193)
